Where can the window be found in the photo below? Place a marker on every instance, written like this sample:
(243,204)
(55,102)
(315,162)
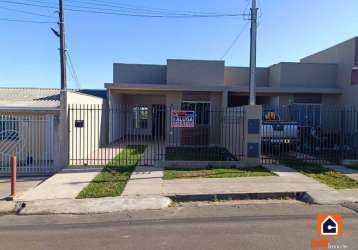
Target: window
(354,80)
(307,99)
(8,128)
(237,100)
(141,116)
(202,111)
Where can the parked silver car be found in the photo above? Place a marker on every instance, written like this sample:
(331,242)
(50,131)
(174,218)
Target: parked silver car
(278,133)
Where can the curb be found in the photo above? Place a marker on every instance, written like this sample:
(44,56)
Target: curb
(7,207)
(92,206)
(327,198)
(238,196)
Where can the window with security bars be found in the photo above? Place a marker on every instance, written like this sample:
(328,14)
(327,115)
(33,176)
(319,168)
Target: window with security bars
(202,111)
(141,117)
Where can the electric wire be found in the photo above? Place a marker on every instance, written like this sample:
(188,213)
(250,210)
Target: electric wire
(24,21)
(73,71)
(232,44)
(84,9)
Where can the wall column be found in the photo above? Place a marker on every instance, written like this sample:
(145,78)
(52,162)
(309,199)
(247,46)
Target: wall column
(225,99)
(252,137)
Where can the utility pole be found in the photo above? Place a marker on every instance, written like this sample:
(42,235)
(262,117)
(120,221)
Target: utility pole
(253,53)
(62,46)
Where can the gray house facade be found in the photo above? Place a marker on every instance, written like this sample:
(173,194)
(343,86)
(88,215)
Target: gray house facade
(329,77)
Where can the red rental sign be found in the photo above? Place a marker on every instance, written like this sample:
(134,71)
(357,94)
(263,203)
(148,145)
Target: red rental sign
(183,119)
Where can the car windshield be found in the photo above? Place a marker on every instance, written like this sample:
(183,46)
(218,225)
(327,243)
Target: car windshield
(271,116)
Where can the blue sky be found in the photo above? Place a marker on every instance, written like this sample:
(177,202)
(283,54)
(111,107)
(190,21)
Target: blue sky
(288,30)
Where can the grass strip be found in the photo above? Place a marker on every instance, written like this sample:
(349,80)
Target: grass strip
(180,173)
(114,177)
(188,153)
(327,176)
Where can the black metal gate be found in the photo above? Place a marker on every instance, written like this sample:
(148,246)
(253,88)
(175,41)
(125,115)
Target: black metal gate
(144,134)
(101,136)
(310,133)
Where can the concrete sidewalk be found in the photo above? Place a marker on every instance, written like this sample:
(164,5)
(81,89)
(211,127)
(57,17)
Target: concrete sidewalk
(66,184)
(146,189)
(22,185)
(287,180)
(145,181)
(148,181)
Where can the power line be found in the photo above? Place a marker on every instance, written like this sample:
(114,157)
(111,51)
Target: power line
(142,8)
(84,9)
(247,5)
(23,21)
(234,41)
(73,71)
(25,12)
(126,7)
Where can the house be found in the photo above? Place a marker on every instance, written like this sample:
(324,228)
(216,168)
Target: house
(31,127)
(329,77)
(48,129)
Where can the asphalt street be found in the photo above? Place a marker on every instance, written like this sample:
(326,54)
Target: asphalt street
(229,226)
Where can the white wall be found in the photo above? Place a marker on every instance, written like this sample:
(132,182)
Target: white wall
(232,130)
(83,142)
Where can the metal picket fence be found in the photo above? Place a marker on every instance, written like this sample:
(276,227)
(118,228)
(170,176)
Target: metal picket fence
(31,140)
(311,133)
(99,134)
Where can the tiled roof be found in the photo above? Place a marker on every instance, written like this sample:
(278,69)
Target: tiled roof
(45,98)
(29,98)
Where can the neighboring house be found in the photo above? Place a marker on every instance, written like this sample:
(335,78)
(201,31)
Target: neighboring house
(328,77)
(30,126)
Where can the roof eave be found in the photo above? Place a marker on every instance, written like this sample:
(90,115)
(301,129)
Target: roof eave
(30,109)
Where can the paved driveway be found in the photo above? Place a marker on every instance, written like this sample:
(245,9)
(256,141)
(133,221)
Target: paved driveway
(23,184)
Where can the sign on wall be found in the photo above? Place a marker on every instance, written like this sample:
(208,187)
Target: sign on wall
(79,123)
(183,119)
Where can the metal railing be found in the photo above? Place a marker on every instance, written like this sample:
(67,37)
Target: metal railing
(99,134)
(31,140)
(311,133)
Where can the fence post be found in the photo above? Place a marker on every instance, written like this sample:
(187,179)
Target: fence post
(342,135)
(13,176)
